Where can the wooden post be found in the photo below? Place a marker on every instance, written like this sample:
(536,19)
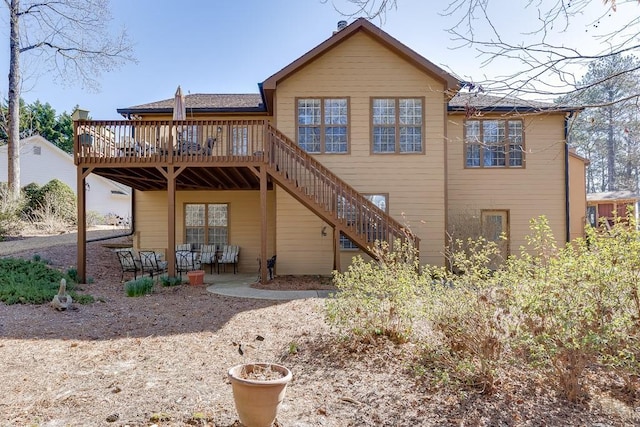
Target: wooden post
(82,227)
(263,224)
(171,224)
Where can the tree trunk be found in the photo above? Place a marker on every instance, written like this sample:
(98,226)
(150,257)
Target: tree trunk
(611,151)
(13,131)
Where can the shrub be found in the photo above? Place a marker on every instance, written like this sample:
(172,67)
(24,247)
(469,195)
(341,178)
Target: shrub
(468,314)
(170,281)
(53,201)
(577,305)
(139,287)
(9,212)
(379,297)
(32,282)
(95,218)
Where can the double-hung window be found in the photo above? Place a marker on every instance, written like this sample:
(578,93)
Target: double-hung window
(323,125)
(349,213)
(396,125)
(494,143)
(206,224)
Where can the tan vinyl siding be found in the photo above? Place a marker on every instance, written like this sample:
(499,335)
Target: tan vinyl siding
(578,197)
(244,220)
(302,249)
(537,189)
(360,68)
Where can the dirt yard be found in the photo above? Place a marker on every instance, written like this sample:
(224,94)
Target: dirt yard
(162,360)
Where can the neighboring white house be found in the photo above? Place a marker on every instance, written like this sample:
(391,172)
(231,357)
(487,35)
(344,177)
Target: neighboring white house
(41,161)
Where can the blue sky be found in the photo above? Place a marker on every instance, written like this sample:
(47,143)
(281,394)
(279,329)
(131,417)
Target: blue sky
(225,46)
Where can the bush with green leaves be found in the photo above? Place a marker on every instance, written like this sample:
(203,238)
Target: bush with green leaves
(33,282)
(379,297)
(139,287)
(55,199)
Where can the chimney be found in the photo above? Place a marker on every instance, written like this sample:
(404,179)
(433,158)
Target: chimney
(342,25)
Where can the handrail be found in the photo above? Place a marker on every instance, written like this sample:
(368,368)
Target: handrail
(140,141)
(360,219)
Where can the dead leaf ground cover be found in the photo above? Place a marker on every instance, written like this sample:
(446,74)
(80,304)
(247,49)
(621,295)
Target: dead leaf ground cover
(162,360)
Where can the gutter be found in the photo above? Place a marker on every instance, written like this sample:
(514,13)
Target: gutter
(568,117)
(132,228)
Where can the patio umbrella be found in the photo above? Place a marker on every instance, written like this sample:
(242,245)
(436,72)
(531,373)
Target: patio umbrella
(179,113)
(179,106)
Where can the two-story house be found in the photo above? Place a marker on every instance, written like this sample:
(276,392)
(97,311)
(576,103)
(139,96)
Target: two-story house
(357,140)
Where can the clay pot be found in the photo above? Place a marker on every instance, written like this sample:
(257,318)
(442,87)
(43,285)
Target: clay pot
(257,400)
(196,277)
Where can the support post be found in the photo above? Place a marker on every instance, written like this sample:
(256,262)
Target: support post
(82,226)
(263,224)
(171,225)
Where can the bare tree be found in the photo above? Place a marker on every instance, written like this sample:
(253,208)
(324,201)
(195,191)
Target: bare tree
(68,38)
(368,8)
(549,62)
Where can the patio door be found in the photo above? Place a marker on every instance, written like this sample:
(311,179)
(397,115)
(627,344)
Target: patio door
(495,228)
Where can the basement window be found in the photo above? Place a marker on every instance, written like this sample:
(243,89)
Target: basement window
(349,212)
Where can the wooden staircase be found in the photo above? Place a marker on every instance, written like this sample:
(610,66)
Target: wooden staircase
(328,196)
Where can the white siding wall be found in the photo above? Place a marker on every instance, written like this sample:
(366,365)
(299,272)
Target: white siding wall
(54,163)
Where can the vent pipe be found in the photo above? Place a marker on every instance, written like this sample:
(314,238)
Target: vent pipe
(342,25)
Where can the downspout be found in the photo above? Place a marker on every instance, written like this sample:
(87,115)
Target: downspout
(566,177)
(133,223)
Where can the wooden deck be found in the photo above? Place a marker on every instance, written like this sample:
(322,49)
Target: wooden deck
(224,155)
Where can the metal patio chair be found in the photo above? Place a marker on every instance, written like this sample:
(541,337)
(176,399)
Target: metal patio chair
(128,263)
(151,263)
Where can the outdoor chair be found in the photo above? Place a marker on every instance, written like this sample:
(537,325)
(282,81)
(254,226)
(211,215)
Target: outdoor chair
(151,263)
(186,261)
(184,247)
(208,254)
(128,263)
(229,255)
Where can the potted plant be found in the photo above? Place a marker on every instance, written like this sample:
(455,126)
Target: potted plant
(258,390)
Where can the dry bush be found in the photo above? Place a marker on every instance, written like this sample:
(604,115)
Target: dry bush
(469,314)
(577,305)
(379,298)
(10,222)
(49,217)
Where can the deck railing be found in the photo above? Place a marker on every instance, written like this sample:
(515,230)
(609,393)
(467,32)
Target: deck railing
(127,141)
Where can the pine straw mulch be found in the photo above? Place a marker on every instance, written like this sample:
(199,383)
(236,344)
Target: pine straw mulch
(163,360)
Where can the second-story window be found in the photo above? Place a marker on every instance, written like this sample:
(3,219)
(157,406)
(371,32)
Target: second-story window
(493,143)
(397,125)
(323,125)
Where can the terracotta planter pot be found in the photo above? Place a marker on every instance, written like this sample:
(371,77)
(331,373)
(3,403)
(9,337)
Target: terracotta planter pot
(257,401)
(196,277)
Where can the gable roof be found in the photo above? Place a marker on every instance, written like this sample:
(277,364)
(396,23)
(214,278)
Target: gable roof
(51,147)
(361,24)
(202,103)
(463,101)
